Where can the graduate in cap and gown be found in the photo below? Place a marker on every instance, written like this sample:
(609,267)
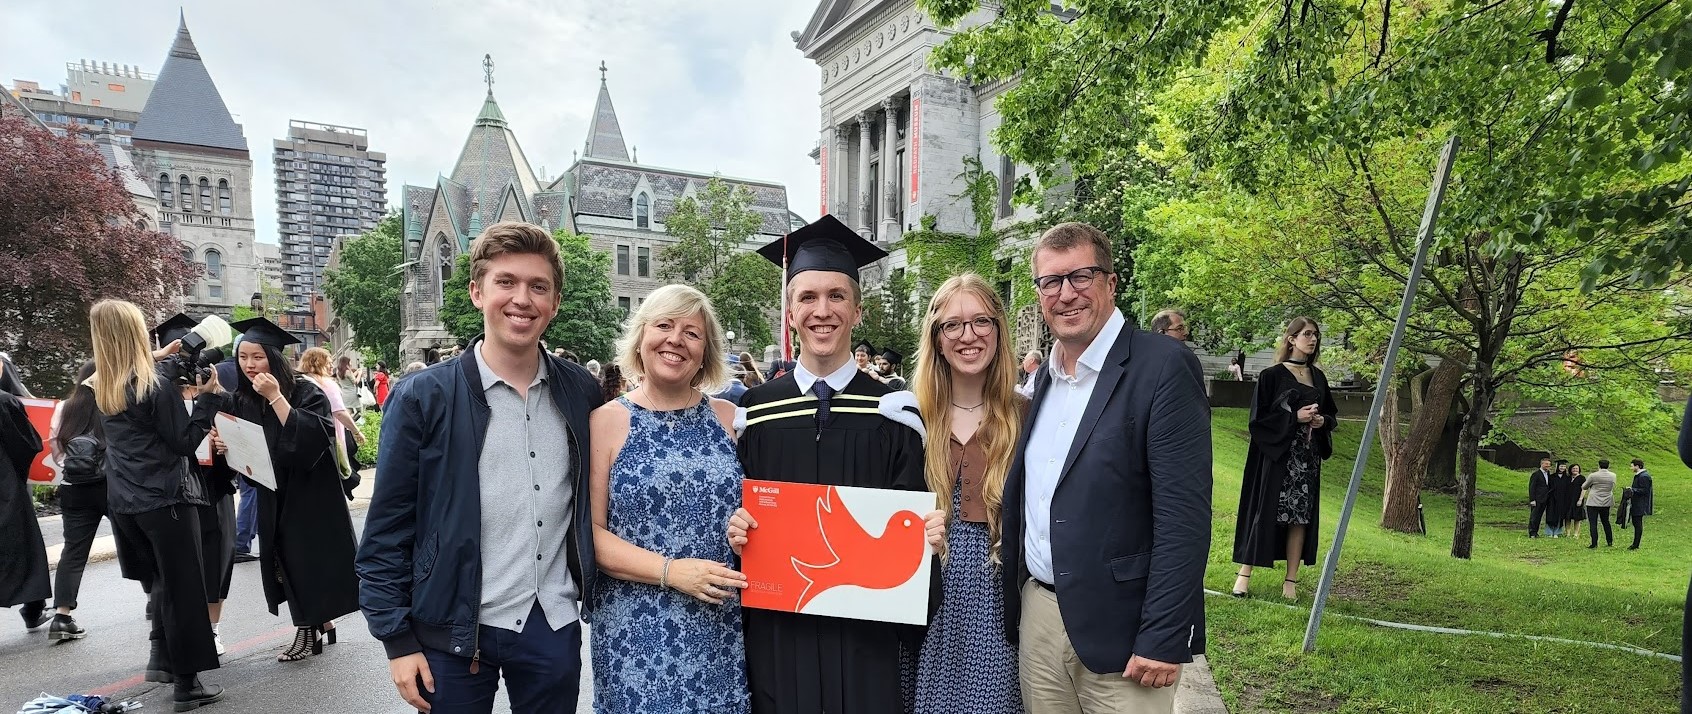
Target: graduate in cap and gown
(830,423)
(307,560)
(863,354)
(887,369)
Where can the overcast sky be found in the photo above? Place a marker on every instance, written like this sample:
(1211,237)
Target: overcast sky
(706,85)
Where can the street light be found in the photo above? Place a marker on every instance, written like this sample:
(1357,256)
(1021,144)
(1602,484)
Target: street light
(730,336)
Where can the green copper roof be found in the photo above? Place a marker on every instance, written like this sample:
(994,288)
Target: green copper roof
(491,115)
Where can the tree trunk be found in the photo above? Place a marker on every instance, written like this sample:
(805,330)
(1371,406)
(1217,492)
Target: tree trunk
(1390,439)
(1468,451)
(1410,461)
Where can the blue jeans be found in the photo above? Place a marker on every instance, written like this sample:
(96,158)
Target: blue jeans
(542,669)
(246,517)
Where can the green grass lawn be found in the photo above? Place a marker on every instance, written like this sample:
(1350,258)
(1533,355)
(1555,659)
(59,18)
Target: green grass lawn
(1551,587)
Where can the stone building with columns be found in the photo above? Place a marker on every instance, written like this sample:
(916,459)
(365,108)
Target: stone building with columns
(894,131)
(607,194)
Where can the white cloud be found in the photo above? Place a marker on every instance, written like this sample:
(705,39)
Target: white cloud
(708,86)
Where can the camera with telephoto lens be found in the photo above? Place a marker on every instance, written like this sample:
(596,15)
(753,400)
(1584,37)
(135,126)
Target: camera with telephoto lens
(200,353)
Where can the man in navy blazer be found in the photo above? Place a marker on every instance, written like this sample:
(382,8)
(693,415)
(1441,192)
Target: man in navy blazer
(1107,506)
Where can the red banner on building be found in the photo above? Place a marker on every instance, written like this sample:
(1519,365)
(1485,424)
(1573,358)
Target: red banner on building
(822,156)
(916,145)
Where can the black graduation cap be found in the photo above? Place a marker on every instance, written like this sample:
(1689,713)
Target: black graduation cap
(864,347)
(893,357)
(827,245)
(264,332)
(174,328)
(1560,462)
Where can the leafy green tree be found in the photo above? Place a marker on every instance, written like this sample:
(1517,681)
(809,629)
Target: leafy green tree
(588,320)
(365,289)
(709,231)
(890,317)
(1323,117)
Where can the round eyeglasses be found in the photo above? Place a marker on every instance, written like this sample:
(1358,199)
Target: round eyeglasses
(1079,278)
(980,326)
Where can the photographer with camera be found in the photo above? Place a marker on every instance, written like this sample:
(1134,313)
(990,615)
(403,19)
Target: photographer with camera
(149,437)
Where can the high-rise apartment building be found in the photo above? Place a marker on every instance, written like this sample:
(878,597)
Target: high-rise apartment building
(328,183)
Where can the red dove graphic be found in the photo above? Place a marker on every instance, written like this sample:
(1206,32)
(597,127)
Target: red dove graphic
(854,557)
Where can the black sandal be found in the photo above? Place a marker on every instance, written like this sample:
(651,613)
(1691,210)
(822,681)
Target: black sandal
(306,640)
(1295,589)
(1241,593)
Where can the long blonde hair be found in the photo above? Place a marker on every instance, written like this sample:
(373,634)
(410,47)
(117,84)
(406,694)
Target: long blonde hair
(1001,422)
(123,359)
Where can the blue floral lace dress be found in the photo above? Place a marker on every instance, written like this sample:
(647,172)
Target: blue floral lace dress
(655,651)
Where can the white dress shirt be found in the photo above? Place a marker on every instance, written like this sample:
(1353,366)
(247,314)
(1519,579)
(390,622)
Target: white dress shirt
(1049,442)
(838,379)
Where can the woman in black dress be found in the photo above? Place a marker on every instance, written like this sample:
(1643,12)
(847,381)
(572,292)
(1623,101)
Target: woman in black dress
(307,561)
(1575,511)
(1292,424)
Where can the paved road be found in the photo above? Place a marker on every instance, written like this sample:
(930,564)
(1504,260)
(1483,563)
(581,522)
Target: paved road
(350,676)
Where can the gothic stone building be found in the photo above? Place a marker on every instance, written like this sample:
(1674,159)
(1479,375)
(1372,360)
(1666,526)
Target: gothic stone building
(606,194)
(194,155)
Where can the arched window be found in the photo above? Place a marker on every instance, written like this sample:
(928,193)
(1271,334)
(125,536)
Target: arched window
(167,196)
(214,264)
(205,195)
(643,211)
(224,202)
(186,191)
(445,252)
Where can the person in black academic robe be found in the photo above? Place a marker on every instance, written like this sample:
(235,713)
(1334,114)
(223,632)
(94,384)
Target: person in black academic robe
(809,663)
(1281,490)
(1557,508)
(307,561)
(23,555)
(804,664)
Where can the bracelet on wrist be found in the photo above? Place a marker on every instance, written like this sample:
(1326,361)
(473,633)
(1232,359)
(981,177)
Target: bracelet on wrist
(664,574)
(273,402)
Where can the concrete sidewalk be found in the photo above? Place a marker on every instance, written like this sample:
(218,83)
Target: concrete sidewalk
(105,548)
(1198,693)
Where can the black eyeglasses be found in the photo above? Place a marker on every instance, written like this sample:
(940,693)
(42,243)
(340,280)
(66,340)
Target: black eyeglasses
(1079,278)
(981,326)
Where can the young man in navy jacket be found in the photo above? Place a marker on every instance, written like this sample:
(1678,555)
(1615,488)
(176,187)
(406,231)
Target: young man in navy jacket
(477,546)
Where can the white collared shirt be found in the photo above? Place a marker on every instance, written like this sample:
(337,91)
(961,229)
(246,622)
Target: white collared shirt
(837,379)
(1049,442)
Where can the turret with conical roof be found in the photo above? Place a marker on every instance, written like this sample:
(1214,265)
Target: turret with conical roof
(185,107)
(491,161)
(605,136)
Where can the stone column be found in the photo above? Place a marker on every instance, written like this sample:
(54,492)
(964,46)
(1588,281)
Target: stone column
(866,193)
(840,182)
(890,170)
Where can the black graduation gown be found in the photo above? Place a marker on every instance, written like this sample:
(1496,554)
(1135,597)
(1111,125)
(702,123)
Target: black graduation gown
(1259,540)
(23,555)
(307,559)
(1557,508)
(802,664)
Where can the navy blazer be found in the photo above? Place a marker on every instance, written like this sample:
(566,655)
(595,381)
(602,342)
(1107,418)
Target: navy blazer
(1131,519)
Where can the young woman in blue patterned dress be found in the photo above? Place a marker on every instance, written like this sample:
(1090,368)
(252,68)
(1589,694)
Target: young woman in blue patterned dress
(965,384)
(665,628)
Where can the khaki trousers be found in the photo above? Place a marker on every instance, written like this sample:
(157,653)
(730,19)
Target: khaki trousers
(1055,682)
